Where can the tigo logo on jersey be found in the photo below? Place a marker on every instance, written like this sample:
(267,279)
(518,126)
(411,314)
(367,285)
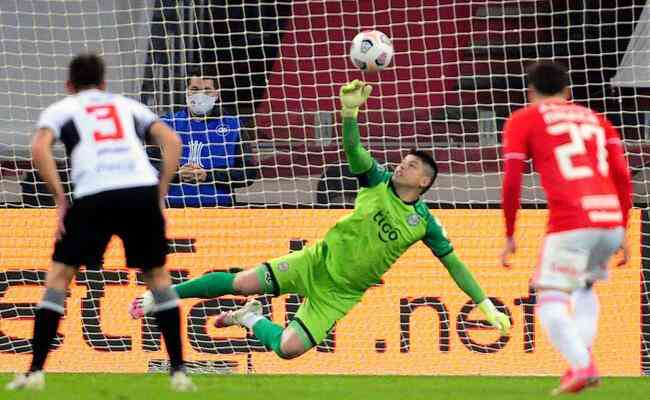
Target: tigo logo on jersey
(222,130)
(386,230)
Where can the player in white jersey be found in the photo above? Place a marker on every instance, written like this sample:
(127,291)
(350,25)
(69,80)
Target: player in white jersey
(116,192)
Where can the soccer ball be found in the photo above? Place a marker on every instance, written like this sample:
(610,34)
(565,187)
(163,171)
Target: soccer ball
(371,51)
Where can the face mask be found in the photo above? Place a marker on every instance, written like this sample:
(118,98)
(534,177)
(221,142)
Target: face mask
(200,104)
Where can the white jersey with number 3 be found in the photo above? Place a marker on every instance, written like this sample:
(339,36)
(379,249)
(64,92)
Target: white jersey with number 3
(103,134)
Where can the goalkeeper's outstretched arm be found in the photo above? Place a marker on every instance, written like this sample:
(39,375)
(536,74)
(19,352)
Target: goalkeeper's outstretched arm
(353,95)
(468,284)
(463,277)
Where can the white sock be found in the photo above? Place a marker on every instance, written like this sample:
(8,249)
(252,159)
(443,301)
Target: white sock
(553,312)
(250,319)
(585,311)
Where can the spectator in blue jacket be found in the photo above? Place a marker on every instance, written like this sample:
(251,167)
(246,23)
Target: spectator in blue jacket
(214,160)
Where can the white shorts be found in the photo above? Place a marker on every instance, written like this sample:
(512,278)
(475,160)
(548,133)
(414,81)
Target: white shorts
(570,259)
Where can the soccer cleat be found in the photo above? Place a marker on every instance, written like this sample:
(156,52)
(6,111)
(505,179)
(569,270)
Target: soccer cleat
(180,382)
(577,381)
(594,375)
(142,306)
(594,380)
(29,381)
(231,318)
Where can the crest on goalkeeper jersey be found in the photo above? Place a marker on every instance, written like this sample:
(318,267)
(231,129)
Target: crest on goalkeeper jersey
(283,266)
(413,219)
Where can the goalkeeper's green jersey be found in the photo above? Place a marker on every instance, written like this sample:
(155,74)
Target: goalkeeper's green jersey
(363,245)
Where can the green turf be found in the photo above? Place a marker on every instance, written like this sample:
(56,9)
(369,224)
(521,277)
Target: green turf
(265,387)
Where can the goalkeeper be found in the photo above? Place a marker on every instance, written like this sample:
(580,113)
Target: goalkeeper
(333,273)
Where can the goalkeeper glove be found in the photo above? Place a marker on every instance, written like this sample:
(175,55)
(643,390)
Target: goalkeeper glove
(353,95)
(495,317)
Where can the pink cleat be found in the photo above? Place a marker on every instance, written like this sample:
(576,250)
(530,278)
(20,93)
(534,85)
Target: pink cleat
(224,320)
(595,380)
(577,381)
(141,306)
(231,318)
(135,309)
(594,375)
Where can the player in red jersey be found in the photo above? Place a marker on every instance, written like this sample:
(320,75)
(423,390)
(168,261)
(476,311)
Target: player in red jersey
(585,176)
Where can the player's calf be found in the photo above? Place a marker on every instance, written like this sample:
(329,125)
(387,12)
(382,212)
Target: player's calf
(46,323)
(252,281)
(216,284)
(167,313)
(292,344)
(286,343)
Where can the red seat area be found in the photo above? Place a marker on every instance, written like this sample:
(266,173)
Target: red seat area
(314,63)
(434,44)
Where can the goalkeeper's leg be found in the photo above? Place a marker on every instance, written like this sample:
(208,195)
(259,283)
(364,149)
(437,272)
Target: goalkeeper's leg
(251,281)
(323,306)
(311,324)
(278,276)
(287,343)
(287,274)
(255,280)
(290,342)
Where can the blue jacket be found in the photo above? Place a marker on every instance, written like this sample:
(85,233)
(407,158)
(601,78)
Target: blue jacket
(213,143)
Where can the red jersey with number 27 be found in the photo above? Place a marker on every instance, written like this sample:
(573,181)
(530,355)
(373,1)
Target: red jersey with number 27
(579,157)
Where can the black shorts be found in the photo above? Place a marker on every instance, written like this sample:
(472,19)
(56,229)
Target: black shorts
(132,214)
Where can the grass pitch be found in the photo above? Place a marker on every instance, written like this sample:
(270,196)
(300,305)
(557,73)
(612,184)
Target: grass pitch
(267,387)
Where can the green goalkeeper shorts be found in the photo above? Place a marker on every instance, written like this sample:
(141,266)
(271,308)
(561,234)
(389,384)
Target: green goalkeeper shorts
(305,273)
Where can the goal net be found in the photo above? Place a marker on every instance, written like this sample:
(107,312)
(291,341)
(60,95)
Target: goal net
(277,179)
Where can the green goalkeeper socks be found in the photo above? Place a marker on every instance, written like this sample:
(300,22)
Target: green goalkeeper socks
(270,334)
(211,285)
